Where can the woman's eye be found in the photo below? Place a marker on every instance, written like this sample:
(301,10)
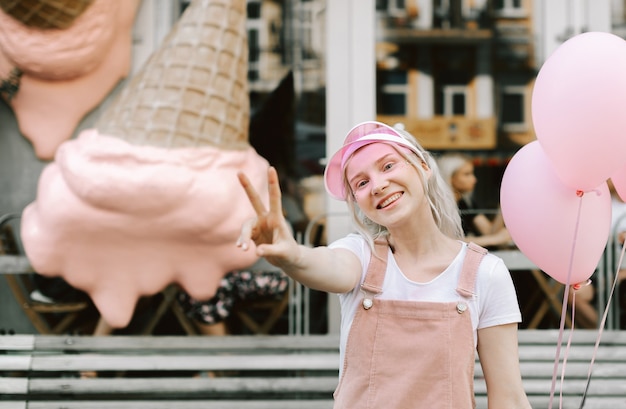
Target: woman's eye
(360,184)
(388,165)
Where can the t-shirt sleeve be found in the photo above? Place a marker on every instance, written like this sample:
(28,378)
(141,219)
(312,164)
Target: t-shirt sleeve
(355,243)
(497,296)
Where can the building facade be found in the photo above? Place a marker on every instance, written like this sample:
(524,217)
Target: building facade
(457,73)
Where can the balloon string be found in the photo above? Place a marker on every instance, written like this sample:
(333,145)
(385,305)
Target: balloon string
(602,323)
(564,308)
(569,343)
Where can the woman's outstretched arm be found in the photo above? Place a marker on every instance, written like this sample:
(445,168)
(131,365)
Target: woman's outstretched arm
(320,268)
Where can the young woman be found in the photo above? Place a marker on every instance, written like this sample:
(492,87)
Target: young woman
(416,301)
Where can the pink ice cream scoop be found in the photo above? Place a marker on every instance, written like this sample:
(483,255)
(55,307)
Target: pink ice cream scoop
(121,221)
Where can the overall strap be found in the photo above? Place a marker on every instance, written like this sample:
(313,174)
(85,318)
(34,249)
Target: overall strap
(467,279)
(376,269)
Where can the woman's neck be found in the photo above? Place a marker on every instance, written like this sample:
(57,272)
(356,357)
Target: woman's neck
(420,240)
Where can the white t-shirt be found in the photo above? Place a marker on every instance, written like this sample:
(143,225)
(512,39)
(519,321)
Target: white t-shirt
(495,302)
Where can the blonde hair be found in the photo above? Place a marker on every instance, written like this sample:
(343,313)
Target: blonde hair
(438,192)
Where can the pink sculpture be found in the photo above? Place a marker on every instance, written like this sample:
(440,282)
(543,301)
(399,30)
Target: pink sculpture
(150,196)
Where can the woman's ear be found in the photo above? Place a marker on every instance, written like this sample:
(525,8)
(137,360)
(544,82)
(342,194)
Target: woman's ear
(427,169)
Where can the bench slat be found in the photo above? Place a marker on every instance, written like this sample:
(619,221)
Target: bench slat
(232,343)
(180,404)
(569,402)
(13,386)
(571,387)
(15,362)
(543,370)
(214,387)
(12,405)
(581,336)
(17,343)
(577,353)
(101,362)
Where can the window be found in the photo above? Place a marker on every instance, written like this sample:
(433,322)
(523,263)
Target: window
(508,4)
(254,10)
(393,92)
(381,5)
(397,8)
(454,100)
(512,104)
(307,15)
(254,52)
(448,13)
(509,8)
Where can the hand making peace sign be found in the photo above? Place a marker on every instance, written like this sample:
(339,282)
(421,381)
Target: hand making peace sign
(319,268)
(269,230)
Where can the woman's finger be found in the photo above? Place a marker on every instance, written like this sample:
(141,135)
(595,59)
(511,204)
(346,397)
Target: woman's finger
(276,206)
(246,234)
(252,194)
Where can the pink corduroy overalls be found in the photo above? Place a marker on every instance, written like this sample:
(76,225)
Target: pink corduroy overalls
(410,354)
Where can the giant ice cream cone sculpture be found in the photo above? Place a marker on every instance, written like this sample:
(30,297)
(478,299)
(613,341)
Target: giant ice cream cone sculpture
(150,196)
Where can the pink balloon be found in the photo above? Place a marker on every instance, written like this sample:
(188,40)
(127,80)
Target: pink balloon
(578,108)
(548,220)
(619,181)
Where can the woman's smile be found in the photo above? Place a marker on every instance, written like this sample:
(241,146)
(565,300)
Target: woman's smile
(391,199)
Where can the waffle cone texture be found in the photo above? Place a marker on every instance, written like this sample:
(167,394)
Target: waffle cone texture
(45,14)
(193,91)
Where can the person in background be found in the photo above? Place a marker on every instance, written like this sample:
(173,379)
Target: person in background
(210,316)
(616,241)
(458,171)
(417,302)
(618,217)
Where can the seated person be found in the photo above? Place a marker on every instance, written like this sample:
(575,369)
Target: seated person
(261,281)
(210,316)
(458,170)
(618,232)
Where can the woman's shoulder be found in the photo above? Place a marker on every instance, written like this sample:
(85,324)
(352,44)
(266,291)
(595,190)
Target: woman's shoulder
(491,262)
(492,271)
(353,241)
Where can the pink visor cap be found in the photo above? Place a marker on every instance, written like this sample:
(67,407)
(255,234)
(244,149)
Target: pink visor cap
(362,134)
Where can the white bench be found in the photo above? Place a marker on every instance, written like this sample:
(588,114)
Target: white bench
(256,372)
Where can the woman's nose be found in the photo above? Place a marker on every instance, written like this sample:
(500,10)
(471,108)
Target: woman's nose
(379,185)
